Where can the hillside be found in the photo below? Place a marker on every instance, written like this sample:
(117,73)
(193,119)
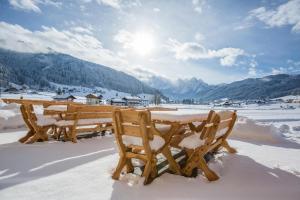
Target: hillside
(267,87)
(41,69)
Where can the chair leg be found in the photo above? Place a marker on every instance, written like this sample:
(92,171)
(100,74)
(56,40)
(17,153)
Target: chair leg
(174,166)
(118,170)
(228,148)
(73,135)
(147,173)
(29,134)
(32,139)
(129,166)
(210,175)
(191,164)
(154,171)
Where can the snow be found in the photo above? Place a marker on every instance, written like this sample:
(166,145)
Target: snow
(57,107)
(267,165)
(192,142)
(155,144)
(45,121)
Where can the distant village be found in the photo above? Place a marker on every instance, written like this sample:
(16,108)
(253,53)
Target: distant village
(93,98)
(98,96)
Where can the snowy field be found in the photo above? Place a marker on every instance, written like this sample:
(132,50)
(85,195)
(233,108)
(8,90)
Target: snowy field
(267,165)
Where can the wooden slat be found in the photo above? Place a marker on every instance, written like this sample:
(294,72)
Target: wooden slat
(37,102)
(131,130)
(130,116)
(93,115)
(94,108)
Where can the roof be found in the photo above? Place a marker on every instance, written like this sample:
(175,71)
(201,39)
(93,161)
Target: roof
(93,96)
(132,98)
(117,100)
(64,96)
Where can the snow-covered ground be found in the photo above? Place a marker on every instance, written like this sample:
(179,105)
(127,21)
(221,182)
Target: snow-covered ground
(267,165)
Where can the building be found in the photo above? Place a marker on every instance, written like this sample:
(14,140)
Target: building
(145,101)
(132,101)
(12,89)
(64,97)
(117,102)
(93,99)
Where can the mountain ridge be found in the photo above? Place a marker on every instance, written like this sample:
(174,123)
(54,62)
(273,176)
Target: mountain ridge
(39,69)
(270,86)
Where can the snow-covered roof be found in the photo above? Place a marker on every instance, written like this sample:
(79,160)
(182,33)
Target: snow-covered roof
(93,96)
(117,100)
(132,98)
(64,96)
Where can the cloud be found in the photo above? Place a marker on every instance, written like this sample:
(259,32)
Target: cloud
(32,5)
(112,3)
(125,38)
(198,5)
(80,29)
(285,14)
(279,70)
(196,51)
(49,39)
(156,9)
(199,37)
(118,4)
(252,68)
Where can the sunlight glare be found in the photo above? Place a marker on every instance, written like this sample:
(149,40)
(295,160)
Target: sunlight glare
(143,43)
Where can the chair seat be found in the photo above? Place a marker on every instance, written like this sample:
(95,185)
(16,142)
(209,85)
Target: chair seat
(84,122)
(192,142)
(197,123)
(155,144)
(163,128)
(45,121)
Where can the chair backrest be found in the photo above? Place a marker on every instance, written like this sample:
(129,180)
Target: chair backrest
(30,115)
(24,112)
(88,111)
(134,123)
(210,128)
(227,121)
(30,112)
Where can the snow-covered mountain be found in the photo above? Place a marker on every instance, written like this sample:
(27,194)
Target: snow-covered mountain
(253,88)
(179,89)
(41,69)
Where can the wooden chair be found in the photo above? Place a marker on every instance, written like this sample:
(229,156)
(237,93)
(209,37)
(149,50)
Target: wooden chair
(212,136)
(38,126)
(138,138)
(227,121)
(85,118)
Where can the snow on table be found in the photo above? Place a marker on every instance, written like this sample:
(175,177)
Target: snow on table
(182,116)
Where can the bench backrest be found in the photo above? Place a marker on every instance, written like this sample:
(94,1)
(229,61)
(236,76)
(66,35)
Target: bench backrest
(88,112)
(136,123)
(37,102)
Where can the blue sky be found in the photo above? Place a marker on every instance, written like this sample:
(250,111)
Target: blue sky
(217,41)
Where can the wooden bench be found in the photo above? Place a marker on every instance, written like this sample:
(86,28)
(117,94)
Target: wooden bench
(84,118)
(37,101)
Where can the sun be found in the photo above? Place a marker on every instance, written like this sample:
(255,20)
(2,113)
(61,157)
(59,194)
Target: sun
(143,43)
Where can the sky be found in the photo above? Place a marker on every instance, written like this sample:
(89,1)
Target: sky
(218,41)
